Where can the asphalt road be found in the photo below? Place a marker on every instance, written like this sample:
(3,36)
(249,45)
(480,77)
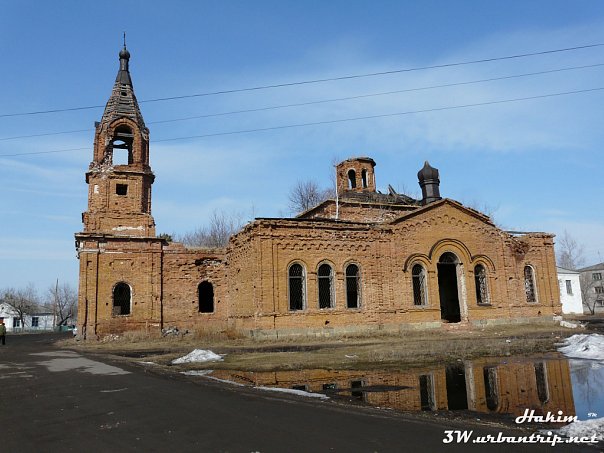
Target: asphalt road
(54,400)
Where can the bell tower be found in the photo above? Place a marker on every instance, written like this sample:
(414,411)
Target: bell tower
(119,177)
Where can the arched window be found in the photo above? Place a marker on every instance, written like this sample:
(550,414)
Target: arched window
(364,178)
(353,285)
(352,179)
(480,281)
(297,287)
(121,299)
(529,284)
(325,277)
(419,285)
(205,294)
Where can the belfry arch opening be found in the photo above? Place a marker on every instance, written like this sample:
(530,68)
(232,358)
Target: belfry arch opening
(121,146)
(448,287)
(352,179)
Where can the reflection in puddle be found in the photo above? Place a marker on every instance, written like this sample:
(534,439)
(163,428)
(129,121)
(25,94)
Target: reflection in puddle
(501,386)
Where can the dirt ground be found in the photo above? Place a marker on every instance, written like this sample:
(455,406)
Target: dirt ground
(405,350)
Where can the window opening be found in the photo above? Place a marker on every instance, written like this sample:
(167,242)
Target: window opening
(35,321)
(426,392)
(352,179)
(491,389)
(352,286)
(480,281)
(355,390)
(541,378)
(569,287)
(364,178)
(205,293)
(121,299)
(597,276)
(121,189)
(325,276)
(529,284)
(296,287)
(419,285)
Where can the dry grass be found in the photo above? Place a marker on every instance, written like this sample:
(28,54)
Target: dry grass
(408,349)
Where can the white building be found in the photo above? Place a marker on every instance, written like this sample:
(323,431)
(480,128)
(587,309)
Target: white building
(570,291)
(39,320)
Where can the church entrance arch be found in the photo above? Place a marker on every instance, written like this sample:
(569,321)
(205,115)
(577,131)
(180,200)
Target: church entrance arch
(449,287)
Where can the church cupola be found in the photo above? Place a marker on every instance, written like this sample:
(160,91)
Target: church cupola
(356,175)
(119,176)
(430,184)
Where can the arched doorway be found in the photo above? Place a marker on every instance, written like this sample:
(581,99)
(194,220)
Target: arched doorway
(448,287)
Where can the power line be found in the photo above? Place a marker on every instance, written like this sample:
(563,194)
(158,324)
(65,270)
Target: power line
(330,79)
(323,101)
(384,115)
(342,120)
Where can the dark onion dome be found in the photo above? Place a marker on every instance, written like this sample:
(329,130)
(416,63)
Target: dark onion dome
(427,173)
(124,53)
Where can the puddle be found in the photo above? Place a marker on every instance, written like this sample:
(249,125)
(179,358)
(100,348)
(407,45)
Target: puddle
(505,386)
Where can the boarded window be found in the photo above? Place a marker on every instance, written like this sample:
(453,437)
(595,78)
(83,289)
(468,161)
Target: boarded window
(529,284)
(353,281)
(419,285)
(296,287)
(205,294)
(325,276)
(121,299)
(480,281)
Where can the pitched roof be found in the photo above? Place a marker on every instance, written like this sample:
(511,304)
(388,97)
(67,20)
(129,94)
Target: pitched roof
(595,267)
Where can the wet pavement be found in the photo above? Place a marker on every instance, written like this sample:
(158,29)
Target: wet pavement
(59,400)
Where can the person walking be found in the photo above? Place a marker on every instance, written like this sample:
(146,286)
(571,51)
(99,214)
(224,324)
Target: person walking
(2,333)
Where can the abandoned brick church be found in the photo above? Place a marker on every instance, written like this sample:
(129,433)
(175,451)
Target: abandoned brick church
(364,261)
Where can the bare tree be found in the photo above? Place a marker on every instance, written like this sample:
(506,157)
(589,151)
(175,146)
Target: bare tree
(307,194)
(23,300)
(590,297)
(63,299)
(571,255)
(221,227)
(484,208)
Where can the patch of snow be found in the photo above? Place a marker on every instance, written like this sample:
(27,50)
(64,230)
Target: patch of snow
(147,363)
(198,355)
(294,392)
(582,346)
(197,372)
(584,428)
(570,325)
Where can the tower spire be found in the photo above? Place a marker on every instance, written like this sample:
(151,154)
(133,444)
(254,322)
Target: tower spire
(122,102)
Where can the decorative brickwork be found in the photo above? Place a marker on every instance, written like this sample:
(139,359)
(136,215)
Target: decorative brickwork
(372,242)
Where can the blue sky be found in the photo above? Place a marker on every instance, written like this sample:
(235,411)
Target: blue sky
(538,162)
